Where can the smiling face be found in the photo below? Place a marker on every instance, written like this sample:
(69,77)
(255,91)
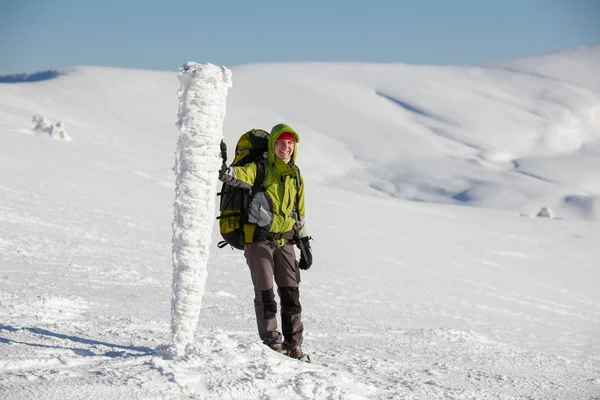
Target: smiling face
(284,149)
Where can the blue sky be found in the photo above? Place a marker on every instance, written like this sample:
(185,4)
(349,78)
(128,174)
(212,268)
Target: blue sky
(42,34)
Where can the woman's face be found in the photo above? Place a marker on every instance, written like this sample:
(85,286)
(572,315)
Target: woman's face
(284,149)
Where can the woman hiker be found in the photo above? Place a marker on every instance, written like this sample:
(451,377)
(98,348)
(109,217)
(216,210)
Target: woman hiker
(275,223)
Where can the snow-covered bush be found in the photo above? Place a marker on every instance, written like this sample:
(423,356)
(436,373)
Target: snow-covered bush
(55,131)
(545,212)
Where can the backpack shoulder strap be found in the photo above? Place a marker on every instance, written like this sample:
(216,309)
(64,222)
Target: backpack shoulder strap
(261,175)
(297,177)
(297,192)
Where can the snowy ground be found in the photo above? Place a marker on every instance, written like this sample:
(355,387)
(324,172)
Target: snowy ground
(432,278)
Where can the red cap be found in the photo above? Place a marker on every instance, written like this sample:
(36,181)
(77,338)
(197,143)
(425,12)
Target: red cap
(287,136)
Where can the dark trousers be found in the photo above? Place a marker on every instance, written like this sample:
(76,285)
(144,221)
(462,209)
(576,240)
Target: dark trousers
(267,262)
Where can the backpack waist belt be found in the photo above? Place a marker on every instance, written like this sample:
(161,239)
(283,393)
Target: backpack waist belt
(261,234)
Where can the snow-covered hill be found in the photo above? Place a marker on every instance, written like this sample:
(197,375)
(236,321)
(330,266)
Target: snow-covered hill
(432,278)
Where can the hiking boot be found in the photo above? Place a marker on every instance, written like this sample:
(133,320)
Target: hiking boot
(278,347)
(296,352)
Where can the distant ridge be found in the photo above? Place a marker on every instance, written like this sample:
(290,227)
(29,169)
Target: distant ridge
(35,77)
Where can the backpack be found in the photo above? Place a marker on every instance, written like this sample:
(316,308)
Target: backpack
(251,147)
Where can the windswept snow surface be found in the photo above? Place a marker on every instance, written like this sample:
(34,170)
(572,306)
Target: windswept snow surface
(433,279)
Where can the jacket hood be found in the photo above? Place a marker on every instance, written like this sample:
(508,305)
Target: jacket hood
(275,133)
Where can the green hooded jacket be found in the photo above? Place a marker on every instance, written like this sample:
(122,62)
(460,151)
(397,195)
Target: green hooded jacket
(273,209)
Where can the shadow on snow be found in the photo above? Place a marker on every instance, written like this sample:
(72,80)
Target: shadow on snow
(126,351)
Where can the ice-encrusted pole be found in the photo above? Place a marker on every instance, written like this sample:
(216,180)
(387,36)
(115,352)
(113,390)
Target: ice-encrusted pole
(202,106)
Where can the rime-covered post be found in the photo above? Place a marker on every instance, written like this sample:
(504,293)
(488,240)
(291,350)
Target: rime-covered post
(202,105)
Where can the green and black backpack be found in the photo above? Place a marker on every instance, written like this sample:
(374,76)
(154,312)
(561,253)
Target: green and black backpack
(252,146)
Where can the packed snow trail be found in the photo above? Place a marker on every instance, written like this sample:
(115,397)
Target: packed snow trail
(202,107)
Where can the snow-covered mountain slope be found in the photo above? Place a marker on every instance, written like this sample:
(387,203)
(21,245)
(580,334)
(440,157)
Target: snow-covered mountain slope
(516,135)
(412,294)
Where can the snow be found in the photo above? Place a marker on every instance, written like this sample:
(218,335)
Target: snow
(433,277)
(202,108)
(545,212)
(55,131)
